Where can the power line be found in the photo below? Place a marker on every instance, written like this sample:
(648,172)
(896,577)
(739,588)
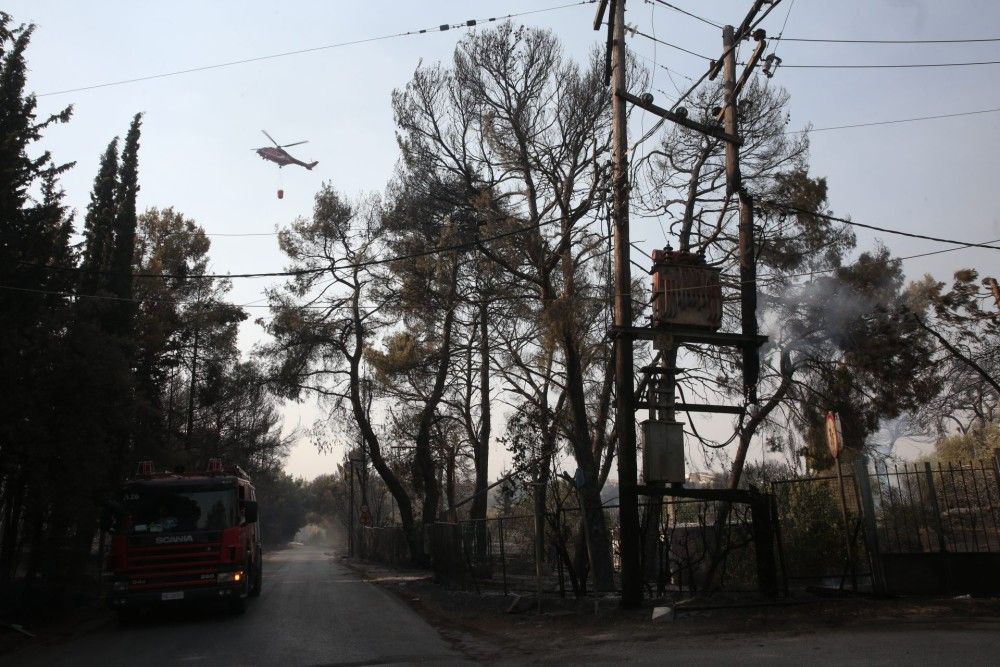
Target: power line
(887,230)
(939,252)
(301,272)
(636,31)
(687,13)
(784,24)
(888,41)
(441,28)
(897,66)
(254,304)
(738,39)
(895,121)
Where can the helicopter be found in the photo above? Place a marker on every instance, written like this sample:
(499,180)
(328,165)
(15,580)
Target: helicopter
(278,155)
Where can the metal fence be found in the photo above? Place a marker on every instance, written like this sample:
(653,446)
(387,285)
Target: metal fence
(940,507)
(820,531)
(895,527)
(385,545)
(705,545)
(682,539)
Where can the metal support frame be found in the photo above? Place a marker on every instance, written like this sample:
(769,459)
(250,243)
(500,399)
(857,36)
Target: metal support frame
(761,512)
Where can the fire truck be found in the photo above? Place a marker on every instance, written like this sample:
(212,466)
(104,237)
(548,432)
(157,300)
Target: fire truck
(185,537)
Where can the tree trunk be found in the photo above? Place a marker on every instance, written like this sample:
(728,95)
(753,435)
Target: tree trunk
(10,526)
(481,454)
(590,492)
(424,459)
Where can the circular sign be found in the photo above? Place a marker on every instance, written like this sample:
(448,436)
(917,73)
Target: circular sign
(834,436)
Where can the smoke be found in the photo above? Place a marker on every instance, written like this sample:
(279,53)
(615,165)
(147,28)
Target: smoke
(827,305)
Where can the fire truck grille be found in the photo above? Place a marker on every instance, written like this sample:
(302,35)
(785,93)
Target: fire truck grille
(172,566)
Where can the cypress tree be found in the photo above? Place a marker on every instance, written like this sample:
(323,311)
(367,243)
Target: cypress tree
(99,223)
(123,249)
(33,235)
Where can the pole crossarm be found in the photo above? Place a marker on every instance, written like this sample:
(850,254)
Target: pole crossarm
(673,116)
(683,335)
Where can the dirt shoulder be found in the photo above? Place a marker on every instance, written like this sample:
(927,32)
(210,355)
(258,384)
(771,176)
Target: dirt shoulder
(57,626)
(494,627)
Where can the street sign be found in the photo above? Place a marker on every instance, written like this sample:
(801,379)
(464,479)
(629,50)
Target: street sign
(364,516)
(834,434)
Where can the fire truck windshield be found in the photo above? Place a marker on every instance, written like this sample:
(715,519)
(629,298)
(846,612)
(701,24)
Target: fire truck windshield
(169,510)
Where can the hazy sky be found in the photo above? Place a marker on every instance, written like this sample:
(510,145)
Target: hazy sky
(935,177)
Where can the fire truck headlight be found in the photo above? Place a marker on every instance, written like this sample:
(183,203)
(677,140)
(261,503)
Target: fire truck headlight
(230,577)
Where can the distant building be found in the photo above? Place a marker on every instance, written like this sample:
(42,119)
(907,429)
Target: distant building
(704,480)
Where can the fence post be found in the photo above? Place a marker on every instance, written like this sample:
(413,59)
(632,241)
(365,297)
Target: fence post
(935,508)
(503,554)
(863,483)
(778,541)
(761,515)
(996,464)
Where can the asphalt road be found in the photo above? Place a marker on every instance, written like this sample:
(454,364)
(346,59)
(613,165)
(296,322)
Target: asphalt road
(312,611)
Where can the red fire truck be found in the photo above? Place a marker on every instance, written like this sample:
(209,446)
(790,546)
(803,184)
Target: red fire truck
(185,536)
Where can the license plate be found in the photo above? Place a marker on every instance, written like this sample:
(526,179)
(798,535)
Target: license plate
(177,595)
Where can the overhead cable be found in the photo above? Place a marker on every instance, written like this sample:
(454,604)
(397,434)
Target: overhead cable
(636,31)
(897,65)
(301,272)
(897,232)
(254,304)
(895,121)
(687,13)
(887,41)
(441,28)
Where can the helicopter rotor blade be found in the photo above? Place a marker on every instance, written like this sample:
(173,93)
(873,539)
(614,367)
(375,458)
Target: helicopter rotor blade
(271,138)
(297,143)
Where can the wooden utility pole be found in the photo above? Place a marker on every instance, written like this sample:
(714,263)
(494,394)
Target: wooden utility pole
(628,481)
(734,185)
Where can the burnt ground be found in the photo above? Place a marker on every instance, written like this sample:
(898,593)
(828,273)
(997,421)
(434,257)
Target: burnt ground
(489,626)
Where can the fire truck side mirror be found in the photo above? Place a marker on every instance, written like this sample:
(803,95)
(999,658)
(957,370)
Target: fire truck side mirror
(249,508)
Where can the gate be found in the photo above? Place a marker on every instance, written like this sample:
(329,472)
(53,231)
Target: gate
(902,528)
(939,527)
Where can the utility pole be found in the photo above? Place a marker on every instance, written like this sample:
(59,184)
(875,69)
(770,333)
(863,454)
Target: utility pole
(734,185)
(628,481)
(668,338)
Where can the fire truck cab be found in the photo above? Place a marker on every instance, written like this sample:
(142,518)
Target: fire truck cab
(185,537)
